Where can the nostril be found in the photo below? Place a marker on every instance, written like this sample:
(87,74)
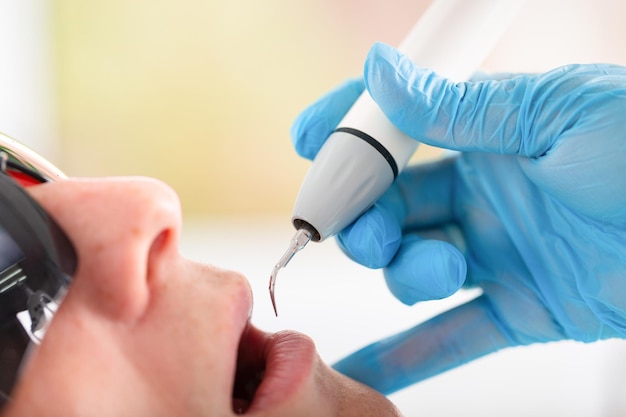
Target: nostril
(159,242)
(157,248)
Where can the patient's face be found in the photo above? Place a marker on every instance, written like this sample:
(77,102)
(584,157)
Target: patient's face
(145,332)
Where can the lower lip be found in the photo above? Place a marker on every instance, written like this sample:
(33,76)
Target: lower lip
(289,361)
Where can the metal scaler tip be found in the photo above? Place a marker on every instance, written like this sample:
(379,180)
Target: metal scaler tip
(299,241)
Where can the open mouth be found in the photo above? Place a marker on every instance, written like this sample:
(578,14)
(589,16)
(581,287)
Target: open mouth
(250,369)
(270,368)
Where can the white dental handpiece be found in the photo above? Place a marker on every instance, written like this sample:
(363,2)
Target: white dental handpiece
(362,157)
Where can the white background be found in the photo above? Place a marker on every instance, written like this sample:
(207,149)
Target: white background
(27,109)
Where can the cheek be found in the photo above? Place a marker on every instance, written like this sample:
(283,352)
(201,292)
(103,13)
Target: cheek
(76,360)
(87,360)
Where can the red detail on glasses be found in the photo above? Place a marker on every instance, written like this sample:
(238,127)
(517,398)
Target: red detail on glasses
(24,180)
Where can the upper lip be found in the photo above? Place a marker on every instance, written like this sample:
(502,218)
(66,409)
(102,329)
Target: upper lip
(271,367)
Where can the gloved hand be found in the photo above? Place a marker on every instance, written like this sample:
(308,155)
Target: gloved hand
(532,211)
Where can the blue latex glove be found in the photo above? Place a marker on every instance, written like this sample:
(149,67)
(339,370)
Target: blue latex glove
(535,203)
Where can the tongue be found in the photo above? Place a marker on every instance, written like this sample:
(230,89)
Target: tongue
(240,405)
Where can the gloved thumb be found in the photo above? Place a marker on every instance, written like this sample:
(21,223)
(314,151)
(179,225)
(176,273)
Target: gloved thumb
(467,116)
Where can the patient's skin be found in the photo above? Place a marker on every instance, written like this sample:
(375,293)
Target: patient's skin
(146,332)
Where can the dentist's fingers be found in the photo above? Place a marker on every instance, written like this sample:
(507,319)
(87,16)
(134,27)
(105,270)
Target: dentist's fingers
(313,126)
(428,192)
(425,269)
(417,269)
(449,340)
(373,239)
(523,115)
(421,198)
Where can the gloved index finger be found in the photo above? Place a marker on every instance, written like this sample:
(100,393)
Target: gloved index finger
(313,126)
(487,116)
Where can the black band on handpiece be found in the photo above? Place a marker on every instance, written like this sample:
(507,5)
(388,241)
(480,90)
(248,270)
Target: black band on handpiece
(375,144)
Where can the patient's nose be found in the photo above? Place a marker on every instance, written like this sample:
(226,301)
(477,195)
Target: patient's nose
(123,229)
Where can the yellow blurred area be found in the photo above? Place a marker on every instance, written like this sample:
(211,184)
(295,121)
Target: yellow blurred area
(202,94)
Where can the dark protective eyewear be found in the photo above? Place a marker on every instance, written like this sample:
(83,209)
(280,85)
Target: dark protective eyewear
(37,260)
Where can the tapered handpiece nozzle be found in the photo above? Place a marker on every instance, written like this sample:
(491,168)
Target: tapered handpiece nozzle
(298,242)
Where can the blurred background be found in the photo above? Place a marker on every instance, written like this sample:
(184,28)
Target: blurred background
(202,94)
